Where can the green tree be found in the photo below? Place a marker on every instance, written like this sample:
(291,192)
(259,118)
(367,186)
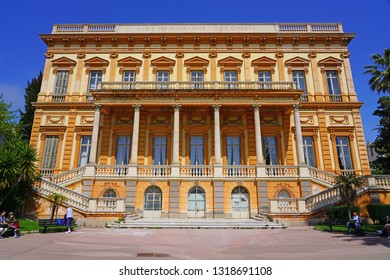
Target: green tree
(17,167)
(380,72)
(380,82)
(348,186)
(7,121)
(56,200)
(31,95)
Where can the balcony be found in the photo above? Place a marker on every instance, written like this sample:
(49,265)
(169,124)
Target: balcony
(195,86)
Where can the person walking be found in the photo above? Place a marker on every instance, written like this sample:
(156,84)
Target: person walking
(69,218)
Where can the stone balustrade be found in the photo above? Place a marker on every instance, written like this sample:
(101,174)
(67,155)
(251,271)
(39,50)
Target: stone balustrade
(282,171)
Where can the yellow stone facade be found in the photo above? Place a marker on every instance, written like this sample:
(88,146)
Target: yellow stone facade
(233,88)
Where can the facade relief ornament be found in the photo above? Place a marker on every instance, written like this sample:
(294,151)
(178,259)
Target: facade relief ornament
(233,120)
(196,120)
(55,120)
(338,119)
(160,120)
(86,120)
(307,120)
(123,120)
(269,120)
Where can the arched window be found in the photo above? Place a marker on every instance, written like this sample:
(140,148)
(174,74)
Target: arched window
(153,198)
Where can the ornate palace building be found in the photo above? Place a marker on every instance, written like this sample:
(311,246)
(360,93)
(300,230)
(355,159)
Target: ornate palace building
(196,120)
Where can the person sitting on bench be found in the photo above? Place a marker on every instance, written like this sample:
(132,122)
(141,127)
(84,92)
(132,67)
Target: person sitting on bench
(355,223)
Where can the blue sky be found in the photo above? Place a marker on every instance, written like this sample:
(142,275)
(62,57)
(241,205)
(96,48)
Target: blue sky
(22,51)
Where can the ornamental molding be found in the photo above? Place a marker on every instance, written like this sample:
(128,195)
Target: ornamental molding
(160,120)
(309,120)
(339,120)
(55,120)
(85,120)
(96,62)
(129,63)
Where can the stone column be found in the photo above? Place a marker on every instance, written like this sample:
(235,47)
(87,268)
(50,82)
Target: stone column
(303,170)
(134,142)
(217,135)
(90,167)
(175,169)
(259,145)
(95,135)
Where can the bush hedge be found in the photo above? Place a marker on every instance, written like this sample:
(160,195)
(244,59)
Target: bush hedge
(379,213)
(340,212)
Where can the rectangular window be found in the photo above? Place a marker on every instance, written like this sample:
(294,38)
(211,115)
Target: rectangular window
(122,150)
(344,153)
(264,79)
(233,150)
(163,79)
(128,76)
(50,152)
(61,84)
(95,77)
(196,78)
(308,149)
(332,81)
(270,150)
(299,79)
(196,150)
(85,150)
(231,76)
(159,150)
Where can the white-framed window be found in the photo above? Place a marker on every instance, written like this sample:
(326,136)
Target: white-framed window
(308,150)
(233,150)
(159,150)
(344,153)
(95,77)
(231,76)
(122,150)
(85,150)
(153,199)
(196,77)
(50,152)
(270,150)
(300,80)
(128,76)
(61,83)
(196,150)
(163,79)
(332,81)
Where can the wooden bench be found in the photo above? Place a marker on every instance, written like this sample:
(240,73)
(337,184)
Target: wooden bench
(46,223)
(336,222)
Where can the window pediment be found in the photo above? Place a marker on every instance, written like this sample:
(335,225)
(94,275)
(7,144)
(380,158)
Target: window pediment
(230,62)
(297,63)
(196,63)
(63,62)
(129,63)
(96,62)
(264,63)
(163,63)
(330,63)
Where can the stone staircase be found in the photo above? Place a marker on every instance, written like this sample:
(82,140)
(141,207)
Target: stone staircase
(160,223)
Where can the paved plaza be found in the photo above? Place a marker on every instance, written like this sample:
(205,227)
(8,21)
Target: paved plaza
(293,243)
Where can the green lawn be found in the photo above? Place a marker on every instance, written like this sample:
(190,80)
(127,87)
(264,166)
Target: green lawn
(342,228)
(27,225)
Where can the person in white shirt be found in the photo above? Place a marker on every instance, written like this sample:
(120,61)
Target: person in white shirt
(355,223)
(69,218)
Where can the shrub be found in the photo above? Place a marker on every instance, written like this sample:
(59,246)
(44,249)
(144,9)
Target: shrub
(340,212)
(379,213)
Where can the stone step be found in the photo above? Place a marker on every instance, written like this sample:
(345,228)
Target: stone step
(197,223)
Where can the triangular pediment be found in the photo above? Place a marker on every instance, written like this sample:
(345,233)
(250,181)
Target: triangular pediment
(264,61)
(129,62)
(96,62)
(163,61)
(64,62)
(297,61)
(196,61)
(230,61)
(330,61)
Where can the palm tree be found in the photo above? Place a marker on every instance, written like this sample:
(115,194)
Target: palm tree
(56,200)
(380,72)
(17,165)
(348,185)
